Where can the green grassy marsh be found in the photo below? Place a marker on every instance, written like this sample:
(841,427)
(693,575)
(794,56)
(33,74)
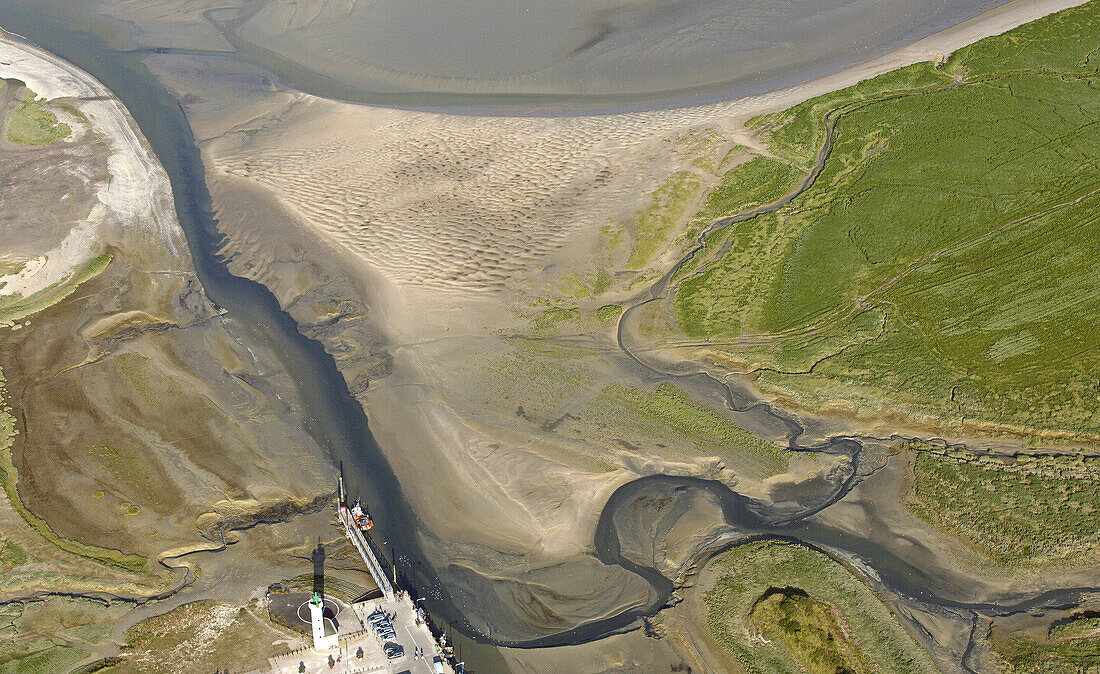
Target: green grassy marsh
(54,634)
(653,225)
(33,124)
(939,260)
(781,607)
(809,629)
(1019,510)
(1070,648)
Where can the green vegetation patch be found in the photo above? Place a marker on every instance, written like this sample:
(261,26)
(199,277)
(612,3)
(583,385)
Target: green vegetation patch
(770,594)
(40,657)
(1071,648)
(12,555)
(755,183)
(32,124)
(128,465)
(609,314)
(668,416)
(939,260)
(52,635)
(590,284)
(1017,510)
(550,320)
(705,146)
(810,630)
(798,133)
(1081,626)
(142,377)
(652,226)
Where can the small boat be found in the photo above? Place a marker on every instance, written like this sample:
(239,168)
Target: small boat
(361,517)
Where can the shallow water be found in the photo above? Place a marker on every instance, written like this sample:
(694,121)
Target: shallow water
(568,55)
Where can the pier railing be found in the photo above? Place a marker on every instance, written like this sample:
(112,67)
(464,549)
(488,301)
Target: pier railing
(363,546)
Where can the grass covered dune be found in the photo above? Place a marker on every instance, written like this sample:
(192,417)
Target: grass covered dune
(941,259)
(773,606)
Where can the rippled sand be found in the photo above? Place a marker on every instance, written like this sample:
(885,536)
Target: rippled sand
(459,202)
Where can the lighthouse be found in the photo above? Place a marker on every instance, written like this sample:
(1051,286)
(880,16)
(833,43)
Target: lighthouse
(324,632)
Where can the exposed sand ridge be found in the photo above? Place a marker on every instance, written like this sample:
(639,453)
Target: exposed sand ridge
(135,197)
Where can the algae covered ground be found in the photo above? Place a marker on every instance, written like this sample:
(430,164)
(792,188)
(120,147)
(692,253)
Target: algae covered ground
(941,263)
(773,606)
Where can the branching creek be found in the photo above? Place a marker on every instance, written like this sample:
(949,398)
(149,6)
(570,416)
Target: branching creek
(337,421)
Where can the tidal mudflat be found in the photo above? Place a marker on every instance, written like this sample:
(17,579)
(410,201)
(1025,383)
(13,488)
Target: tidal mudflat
(483,285)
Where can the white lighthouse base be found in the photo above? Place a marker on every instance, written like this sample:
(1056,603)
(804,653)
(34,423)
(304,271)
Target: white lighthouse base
(325,635)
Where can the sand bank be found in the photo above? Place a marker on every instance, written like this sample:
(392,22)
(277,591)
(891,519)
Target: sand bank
(133,198)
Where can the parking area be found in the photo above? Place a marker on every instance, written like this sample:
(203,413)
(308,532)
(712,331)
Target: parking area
(406,633)
(363,649)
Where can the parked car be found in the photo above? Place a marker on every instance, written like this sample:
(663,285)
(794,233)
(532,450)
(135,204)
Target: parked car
(393,651)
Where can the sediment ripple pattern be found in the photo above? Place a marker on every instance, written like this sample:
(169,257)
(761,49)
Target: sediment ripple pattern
(457,201)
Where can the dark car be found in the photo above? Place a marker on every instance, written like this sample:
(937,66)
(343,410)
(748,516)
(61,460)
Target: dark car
(393,651)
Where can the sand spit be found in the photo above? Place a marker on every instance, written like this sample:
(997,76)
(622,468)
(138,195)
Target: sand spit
(137,197)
